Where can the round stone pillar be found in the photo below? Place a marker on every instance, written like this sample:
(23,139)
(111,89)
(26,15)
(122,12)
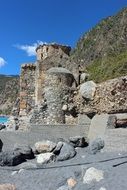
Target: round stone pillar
(57,88)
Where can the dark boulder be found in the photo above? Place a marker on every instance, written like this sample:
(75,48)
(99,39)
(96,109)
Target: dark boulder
(25,150)
(67,151)
(2,126)
(11,158)
(78,141)
(58,148)
(1,145)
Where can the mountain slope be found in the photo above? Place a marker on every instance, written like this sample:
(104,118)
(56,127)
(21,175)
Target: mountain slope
(9,89)
(105,44)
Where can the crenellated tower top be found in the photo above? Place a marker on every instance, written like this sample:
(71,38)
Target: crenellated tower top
(47,50)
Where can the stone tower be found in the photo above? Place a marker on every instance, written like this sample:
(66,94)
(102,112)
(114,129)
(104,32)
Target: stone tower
(42,65)
(27,88)
(46,50)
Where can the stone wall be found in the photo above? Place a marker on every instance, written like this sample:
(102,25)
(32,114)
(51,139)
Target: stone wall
(39,79)
(40,75)
(27,88)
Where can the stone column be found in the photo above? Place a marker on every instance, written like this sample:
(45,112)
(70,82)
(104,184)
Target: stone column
(57,87)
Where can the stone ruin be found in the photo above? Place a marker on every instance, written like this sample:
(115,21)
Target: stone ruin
(46,87)
(54,91)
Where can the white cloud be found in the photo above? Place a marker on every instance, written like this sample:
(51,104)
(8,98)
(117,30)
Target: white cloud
(30,49)
(2,62)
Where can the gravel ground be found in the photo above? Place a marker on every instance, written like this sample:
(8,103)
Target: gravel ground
(28,175)
(54,175)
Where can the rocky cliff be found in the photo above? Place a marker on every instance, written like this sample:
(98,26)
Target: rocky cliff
(103,50)
(9,89)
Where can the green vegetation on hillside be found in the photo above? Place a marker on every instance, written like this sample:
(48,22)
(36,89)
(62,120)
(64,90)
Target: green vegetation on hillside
(108,67)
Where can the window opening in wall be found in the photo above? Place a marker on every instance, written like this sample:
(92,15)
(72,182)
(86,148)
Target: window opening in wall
(79,77)
(41,55)
(60,79)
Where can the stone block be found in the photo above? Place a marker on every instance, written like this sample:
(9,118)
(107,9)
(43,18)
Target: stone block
(121,116)
(111,122)
(98,127)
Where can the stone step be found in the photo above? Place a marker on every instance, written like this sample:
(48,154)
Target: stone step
(63,131)
(39,126)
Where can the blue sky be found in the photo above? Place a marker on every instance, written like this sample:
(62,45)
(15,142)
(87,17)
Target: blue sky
(24,23)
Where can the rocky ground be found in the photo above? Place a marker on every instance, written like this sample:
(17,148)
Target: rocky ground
(89,168)
(71,174)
